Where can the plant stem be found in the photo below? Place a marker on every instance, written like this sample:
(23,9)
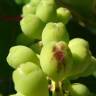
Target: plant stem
(66,86)
(57,89)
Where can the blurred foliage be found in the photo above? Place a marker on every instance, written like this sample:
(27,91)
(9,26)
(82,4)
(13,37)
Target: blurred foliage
(83,10)
(9,27)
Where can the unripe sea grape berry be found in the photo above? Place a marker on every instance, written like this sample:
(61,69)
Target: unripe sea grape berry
(63,15)
(46,10)
(90,69)
(35,2)
(28,9)
(54,32)
(32,26)
(80,42)
(80,90)
(21,54)
(30,80)
(56,60)
(81,55)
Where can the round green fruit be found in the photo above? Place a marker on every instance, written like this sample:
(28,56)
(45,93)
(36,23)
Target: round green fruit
(28,9)
(35,2)
(91,68)
(79,42)
(46,10)
(81,55)
(54,32)
(80,90)
(56,60)
(21,54)
(63,15)
(30,80)
(32,26)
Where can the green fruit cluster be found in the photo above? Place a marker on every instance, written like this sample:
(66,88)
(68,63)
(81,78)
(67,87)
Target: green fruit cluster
(44,52)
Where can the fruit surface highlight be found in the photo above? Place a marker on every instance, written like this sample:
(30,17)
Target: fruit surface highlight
(46,10)
(54,32)
(81,54)
(80,90)
(21,54)
(30,80)
(32,26)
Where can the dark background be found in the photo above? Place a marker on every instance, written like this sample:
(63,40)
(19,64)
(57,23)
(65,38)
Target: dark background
(9,29)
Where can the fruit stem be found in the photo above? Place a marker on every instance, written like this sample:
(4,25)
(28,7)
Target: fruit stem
(66,86)
(57,89)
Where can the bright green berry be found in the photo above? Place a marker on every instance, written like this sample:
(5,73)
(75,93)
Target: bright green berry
(30,80)
(79,42)
(63,15)
(28,9)
(81,55)
(32,26)
(54,32)
(56,60)
(21,54)
(80,90)
(90,69)
(46,10)
(35,2)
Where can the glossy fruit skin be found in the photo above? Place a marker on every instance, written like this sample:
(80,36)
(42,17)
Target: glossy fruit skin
(35,2)
(49,10)
(32,26)
(56,60)
(80,42)
(90,69)
(63,15)
(20,54)
(80,90)
(54,32)
(81,55)
(28,9)
(30,80)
